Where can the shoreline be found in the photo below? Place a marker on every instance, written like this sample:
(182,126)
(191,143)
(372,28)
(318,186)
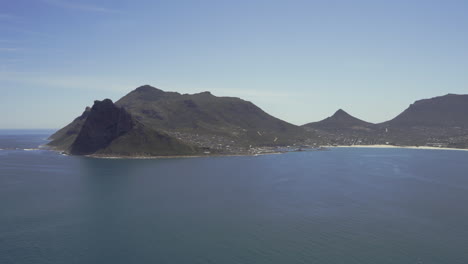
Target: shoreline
(176,157)
(97,156)
(399,147)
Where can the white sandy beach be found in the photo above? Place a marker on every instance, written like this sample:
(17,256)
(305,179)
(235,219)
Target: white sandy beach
(391,146)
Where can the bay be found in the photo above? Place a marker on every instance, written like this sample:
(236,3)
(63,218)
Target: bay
(344,205)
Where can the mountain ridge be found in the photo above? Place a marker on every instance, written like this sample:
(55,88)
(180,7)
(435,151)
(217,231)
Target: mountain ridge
(151,122)
(202,121)
(446,110)
(203,112)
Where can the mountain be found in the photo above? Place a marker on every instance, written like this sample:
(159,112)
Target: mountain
(439,121)
(224,118)
(151,122)
(175,124)
(344,129)
(105,123)
(109,130)
(340,120)
(450,110)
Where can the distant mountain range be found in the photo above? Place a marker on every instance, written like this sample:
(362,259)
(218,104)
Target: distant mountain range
(151,122)
(440,121)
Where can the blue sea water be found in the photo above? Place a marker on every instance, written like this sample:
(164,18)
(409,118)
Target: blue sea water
(353,206)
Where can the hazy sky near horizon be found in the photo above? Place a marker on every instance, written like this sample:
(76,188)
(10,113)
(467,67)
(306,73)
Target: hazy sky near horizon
(297,60)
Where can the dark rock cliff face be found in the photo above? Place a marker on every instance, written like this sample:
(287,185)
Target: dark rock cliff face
(105,123)
(110,130)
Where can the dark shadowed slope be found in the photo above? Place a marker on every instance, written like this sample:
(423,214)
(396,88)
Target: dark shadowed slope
(110,130)
(105,123)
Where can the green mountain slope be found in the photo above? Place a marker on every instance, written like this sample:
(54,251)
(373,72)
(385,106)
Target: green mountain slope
(205,114)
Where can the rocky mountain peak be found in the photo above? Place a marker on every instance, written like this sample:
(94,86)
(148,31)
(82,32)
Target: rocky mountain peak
(105,122)
(341,113)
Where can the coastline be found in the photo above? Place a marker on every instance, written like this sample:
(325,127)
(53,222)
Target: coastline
(98,156)
(105,156)
(399,147)
(94,156)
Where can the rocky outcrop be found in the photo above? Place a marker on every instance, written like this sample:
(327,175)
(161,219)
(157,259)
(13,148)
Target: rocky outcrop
(110,130)
(105,123)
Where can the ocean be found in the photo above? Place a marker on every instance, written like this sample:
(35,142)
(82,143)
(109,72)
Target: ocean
(344,205)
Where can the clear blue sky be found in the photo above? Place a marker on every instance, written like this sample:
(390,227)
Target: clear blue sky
(298,60)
